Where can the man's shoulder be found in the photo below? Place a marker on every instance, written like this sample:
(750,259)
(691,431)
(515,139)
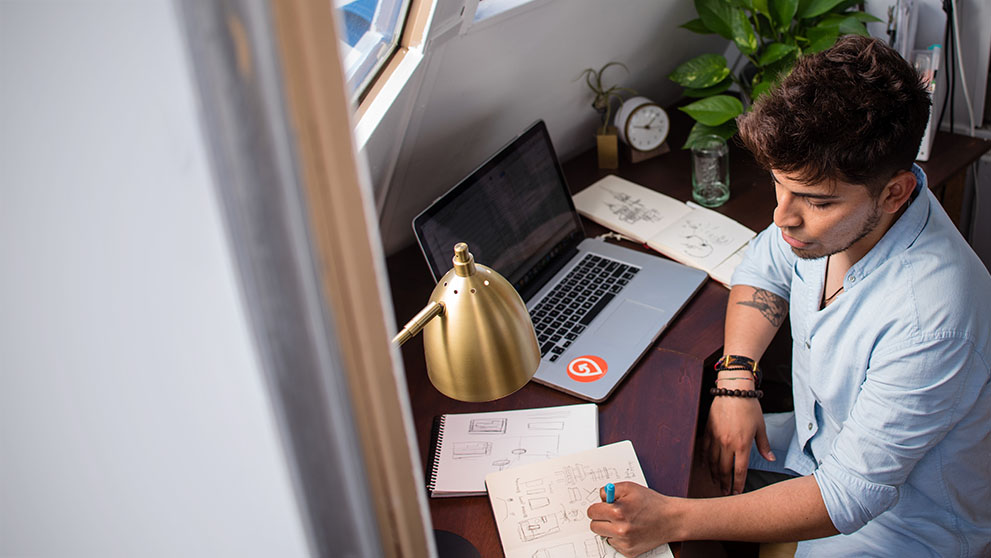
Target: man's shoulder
(939,287)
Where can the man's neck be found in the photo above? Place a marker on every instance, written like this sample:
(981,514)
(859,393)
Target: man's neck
(847,258)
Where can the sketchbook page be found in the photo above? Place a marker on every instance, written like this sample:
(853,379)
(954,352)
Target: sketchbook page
(473,445)
(628,208)
(702,239)
(540,509)
(724,271)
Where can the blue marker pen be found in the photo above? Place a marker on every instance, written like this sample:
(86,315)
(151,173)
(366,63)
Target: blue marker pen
(610,493)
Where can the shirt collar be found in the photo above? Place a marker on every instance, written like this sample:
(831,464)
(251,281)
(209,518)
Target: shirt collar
(900,236)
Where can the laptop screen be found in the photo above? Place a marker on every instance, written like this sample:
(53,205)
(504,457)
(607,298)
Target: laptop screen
(515,212)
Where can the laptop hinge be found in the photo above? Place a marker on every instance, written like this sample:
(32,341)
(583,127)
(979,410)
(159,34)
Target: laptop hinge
(555,265)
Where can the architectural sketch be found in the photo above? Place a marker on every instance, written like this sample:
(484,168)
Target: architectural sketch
(566,550)
(538,527)
(631,210)
(488,426)
(541,509)
(570,487)
(529,446)
(593,547)
(470,450)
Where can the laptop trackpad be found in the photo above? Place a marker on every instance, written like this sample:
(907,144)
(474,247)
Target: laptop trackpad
(631,323)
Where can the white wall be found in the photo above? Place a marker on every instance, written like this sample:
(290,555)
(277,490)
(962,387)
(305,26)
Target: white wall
(478,88)
(973,17)
(134,419)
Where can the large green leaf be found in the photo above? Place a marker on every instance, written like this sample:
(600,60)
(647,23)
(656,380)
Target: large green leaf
(864,17)
(700,72)
(709,91)
(724,131)
(713,111)
(813,8)
(850,26)
(847,22)
(782,12)
(821,37)
(697,26)
(716,14)
(762,7)
(743,33)
(774,52)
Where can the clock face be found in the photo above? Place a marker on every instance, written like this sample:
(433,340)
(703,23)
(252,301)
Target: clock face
(647,127)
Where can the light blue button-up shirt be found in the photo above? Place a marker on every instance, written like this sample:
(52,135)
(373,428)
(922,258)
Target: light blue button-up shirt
(891,388)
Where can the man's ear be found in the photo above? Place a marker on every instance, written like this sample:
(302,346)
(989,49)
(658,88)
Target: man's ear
(897,191)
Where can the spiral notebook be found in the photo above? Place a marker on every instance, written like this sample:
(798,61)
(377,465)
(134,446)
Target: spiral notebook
(466,447)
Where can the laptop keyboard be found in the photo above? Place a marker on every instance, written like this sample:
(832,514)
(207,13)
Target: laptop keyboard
(576,300)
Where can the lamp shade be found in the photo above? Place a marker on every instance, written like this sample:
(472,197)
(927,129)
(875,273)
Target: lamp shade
(482,346)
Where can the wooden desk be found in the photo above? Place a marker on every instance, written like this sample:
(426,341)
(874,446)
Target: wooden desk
(657,405)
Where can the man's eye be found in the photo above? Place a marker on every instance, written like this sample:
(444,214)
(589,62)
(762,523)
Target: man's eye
(819,204)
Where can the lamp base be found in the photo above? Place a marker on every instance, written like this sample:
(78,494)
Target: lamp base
(450,545)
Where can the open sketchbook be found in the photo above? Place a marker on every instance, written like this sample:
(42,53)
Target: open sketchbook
(685,232)
(466,447)
(540,509)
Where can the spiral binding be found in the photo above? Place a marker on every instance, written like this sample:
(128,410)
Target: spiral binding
(436,441)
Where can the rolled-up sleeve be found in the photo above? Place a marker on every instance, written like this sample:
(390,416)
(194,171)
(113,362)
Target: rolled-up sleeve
(913,395)
(768,264)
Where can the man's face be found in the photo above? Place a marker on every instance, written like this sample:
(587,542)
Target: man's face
(822,219)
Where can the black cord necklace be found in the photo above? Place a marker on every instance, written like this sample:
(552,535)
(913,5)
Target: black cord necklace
(827,300)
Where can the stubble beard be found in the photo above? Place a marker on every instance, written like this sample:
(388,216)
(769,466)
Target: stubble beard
(869,225)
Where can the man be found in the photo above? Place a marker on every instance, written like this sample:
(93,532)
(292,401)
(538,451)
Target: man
(889,449)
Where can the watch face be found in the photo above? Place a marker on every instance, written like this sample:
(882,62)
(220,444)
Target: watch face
(647,127)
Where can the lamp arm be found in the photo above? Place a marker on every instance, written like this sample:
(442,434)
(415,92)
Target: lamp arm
(419,321)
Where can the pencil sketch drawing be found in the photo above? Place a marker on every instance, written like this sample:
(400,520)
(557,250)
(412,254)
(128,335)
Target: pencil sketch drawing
(699,239)
(631,210)
(488,426)
(469,450)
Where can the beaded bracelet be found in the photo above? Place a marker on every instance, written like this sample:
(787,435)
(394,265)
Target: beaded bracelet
(736,362)
(748,393)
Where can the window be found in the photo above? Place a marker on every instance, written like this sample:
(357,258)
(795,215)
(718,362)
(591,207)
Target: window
(489,8)
(371,34)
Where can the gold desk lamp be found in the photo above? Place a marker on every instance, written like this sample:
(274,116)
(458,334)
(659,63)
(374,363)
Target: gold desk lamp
(482,345)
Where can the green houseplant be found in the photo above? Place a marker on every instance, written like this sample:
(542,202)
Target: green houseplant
(771,34)
(607,142)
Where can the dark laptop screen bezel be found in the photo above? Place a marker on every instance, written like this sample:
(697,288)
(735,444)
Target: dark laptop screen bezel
(524,280)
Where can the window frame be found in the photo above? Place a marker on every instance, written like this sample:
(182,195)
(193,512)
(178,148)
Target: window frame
(370,65)
(408,49)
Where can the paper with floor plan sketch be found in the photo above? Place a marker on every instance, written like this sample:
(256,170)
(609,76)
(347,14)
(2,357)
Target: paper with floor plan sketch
(541,509)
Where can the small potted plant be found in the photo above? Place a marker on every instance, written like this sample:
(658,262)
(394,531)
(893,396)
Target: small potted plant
(605,136)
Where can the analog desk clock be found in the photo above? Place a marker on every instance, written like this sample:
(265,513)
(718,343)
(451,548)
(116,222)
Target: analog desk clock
(643,125)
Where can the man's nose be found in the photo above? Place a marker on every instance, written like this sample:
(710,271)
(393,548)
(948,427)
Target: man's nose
(786,214)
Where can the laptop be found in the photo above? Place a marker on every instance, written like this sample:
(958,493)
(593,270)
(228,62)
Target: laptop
(596,307)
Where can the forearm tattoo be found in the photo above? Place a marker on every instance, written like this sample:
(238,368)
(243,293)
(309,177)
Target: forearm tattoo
(773,307)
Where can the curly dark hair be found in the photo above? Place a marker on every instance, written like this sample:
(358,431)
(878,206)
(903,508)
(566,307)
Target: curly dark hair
(854,113)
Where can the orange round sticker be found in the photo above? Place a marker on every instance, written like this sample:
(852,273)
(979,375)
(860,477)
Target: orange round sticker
(587,368)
